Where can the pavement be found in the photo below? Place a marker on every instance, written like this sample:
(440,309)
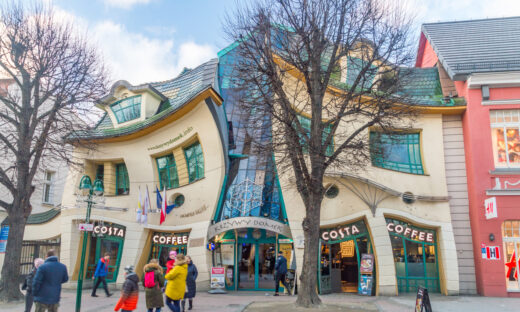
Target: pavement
(256,301)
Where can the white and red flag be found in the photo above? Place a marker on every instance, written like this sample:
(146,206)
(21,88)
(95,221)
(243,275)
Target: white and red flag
(163,208)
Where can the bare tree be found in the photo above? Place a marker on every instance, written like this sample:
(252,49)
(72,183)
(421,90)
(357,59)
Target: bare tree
(52,72)
(320,74)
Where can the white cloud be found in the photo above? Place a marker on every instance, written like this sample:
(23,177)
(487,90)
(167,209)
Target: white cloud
(124,4)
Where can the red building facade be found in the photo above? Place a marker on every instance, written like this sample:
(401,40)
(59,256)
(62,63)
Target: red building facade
(482,65)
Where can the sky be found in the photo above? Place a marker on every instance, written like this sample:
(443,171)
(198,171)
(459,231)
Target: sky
(153,40)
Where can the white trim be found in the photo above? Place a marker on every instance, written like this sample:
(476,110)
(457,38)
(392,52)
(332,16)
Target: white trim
(503,192)
(501,102)
(494,79)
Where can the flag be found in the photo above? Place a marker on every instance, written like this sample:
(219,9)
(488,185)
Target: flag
(139,207)
(163,207)
(159,198)
(146,207)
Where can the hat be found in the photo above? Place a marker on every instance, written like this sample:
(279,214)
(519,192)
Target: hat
(173,253)
(129,269)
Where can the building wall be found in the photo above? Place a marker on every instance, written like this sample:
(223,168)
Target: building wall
(459,205)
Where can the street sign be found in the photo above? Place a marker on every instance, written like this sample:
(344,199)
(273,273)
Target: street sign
(89,227)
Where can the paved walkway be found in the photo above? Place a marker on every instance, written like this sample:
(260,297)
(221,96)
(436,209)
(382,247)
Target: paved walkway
(261,301)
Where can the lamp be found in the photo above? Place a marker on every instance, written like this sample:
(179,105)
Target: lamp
(98,187)
(491,237)
(85,183)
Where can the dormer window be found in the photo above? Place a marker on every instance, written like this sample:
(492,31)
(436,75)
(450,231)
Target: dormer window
(127,109)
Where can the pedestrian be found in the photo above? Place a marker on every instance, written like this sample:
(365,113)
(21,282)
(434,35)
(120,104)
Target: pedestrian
(27,285)
(176,286)
(46,285)
(171,262)
(153,283)
(101,274)
(191,286)
(281,270)
(129,291)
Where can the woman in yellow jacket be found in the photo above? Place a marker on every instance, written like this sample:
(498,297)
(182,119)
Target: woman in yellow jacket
(176,286)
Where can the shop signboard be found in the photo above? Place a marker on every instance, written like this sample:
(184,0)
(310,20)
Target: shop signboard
(218,277)
(88,227)
(170,238)
(102,230)
(367,263)
(343,232)
(249,222)
(490,252)
(409,231)
(4,233)
(490,207)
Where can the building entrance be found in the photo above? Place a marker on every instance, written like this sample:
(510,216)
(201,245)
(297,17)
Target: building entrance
(256,265)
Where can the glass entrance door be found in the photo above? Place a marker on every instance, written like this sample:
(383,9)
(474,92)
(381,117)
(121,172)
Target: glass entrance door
(256,265)
(114,247)
(246,266)
(266,262)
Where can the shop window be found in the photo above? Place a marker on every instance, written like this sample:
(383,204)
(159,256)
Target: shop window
(100,172)
(122,181)
(168,176)
(106,238)
(304,137)
(511,238)
(48,187)
(163,243)
(415,256)
(127,109)
(505,126)
(396,151)
(195,161)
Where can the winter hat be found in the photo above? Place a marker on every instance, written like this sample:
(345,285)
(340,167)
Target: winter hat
(38,262)
(129,269)
(173,253)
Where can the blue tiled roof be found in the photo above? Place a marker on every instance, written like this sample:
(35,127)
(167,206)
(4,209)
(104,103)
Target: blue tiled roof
(178,92)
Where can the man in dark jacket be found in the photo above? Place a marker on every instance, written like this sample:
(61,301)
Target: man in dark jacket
(46,287)
(281,270)
(101,273)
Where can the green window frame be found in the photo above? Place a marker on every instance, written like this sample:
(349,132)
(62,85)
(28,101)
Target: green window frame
(127,109)
(167,169)
(397,151)
(306,125)
(195,161)
(122,181)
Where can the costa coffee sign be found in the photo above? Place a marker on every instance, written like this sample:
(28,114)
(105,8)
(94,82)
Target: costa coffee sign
(410,232)
(343,231)
(170,239)
(109,230)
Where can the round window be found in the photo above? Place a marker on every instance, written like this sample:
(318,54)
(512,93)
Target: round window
(408,197)
(179,200)
(332,191)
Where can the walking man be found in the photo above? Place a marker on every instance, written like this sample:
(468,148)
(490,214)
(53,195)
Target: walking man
(101,273)
(46,286)
(281,271)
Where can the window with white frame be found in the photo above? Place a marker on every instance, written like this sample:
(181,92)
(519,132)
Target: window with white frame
(505,133)
(48,187)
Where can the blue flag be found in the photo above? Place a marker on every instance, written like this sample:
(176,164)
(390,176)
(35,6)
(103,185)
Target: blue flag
(169,208)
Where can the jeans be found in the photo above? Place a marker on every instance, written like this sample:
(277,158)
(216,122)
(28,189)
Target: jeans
(100,279)
(156,310)
(42,307)
(174,305)
(280,278)
(28,302)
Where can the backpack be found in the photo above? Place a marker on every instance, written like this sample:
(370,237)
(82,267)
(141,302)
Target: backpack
(149,279)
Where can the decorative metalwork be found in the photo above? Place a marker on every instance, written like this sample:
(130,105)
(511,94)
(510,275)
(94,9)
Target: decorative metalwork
(244,198)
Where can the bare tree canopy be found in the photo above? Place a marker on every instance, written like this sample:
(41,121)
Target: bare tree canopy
(321,74)
(50,73)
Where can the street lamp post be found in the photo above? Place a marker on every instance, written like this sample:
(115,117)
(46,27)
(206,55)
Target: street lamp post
(86,185)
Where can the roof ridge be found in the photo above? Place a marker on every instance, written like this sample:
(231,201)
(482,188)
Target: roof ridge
(472,20)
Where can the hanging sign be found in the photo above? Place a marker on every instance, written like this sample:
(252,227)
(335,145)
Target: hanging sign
(490,252)
(490,208)
(347,248)
(218,277)
(88,227)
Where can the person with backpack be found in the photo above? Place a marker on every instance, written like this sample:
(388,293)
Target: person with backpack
(129,291)
(101,274)
(191,286)
(176,285)
(27,285)
(153,283)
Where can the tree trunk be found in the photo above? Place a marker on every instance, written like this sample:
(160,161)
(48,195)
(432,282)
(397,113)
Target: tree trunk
(307,290)
(10,282)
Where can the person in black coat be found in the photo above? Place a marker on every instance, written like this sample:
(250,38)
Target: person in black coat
(190,284)
(27,285)
(281,271)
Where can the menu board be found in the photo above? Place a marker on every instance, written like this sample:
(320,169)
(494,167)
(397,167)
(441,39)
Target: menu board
(365,285)
(218,277)
(367,263)
(422,300)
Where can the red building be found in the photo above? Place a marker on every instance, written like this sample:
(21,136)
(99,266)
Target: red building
(479,60)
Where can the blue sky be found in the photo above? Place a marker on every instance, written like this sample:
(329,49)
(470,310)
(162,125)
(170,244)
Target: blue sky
(152,40)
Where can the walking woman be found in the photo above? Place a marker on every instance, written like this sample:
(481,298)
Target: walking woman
(153,283)
(27,285)
(176,285)
(191,286)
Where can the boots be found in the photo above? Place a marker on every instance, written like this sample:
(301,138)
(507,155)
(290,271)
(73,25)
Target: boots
(183,305)
(191,304)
